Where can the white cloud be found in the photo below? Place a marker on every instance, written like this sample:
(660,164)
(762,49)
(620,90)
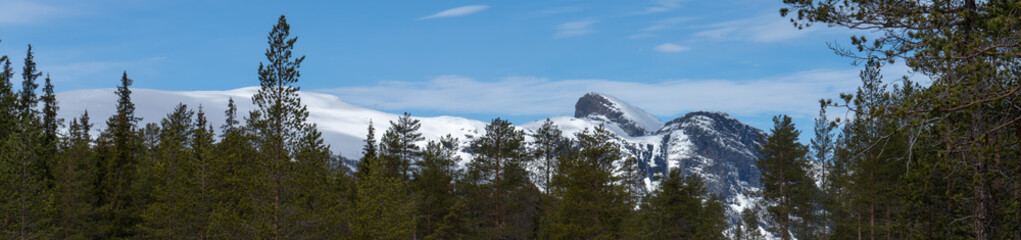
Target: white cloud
(763,28)
(796,94)
(458,11)
(671,48)
(667,24)
(662,6)
(19,12)
(576,28)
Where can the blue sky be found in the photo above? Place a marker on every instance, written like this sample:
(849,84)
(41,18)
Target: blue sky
(522,60)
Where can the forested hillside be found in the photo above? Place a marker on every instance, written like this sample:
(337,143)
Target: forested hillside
(932,160)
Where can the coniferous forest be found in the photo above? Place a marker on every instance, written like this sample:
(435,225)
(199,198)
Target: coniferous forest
(933,160)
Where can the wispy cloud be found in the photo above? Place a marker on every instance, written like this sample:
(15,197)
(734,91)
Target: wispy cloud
(763,28)
(559,10)
(662,6)
(667,24)
(576,28)
(796,94)
(671,48)
(457,12)
(79,73)
(19,12)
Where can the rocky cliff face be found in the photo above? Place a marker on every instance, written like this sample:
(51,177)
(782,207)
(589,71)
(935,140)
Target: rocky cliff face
(615,113)
(713,145)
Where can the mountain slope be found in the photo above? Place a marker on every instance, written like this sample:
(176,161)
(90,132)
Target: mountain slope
(713,145)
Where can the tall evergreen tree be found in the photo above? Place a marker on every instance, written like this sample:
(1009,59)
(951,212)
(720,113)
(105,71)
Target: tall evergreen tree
(28,98)
(118,149)
(397,148)
(382,209)
(294,160)
(588,200)
(970,51)
(169,215)
(433,186)
(501,202)
(50,121)
(369,152)
(231,117)
(74,190)
(8,98)
(682,208)
(549,144)
(785,180)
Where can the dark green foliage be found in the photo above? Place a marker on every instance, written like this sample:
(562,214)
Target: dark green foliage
(682,208)
(397,149)
(369,152)
(550,144)
(787,187)
(294,163)
(28,98)
(119,152)
(501,201)
(433,186)
(957,138)
(587,200)
(382,208)
(74,174)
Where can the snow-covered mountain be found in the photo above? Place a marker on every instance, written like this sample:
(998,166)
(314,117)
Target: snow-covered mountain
(713,145)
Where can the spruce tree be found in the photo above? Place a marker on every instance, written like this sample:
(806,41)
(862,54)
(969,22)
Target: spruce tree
(369,152)
(169,215)
(233,177)
(50,121)
(118,150)
(785,180)
(8,98)
(74,190)
(28,98)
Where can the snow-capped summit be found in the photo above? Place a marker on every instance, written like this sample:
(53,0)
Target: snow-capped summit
(616,114)
(713,145)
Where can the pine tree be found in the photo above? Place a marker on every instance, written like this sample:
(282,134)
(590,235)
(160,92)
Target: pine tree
(588,200)
(750,225)
(786,184)
(382,209)
(433,185)
(294,162)
(232,178)
(549,145)
(969,49)
(501,201)
(822,146)
(118,149)
(682,208)
(397,148)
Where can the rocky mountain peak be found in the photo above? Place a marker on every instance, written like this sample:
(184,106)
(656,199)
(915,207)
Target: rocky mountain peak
(616,114)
